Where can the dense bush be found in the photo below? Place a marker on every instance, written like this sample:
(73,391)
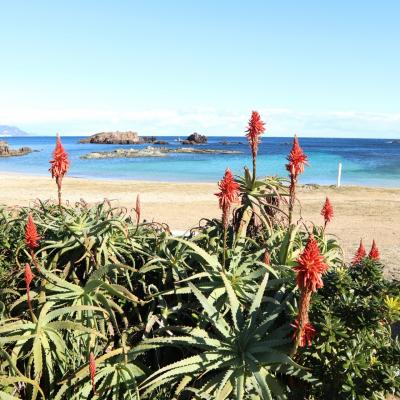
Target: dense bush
(354,354)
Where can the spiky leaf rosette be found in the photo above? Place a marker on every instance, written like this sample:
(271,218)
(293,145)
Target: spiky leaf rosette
(240,353)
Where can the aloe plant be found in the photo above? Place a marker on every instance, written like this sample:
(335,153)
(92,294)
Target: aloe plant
(41,341)
(243,354)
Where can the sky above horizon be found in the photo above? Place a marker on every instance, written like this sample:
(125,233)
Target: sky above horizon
(312,68)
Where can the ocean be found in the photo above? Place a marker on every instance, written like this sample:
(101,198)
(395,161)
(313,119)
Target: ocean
(370,162)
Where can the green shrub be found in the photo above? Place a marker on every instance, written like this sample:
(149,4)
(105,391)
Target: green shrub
(354,354)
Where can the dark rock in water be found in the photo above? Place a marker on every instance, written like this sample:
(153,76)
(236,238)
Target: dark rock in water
(5,150)
(152,152)
(227,143)
(195,138)
(162,142)
(394,141)
(153,140)
(201,151)
(117,137)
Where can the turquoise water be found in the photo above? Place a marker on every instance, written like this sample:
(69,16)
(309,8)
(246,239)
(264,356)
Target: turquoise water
(372,162)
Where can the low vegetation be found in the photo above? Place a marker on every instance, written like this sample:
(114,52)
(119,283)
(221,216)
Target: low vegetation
(96,303)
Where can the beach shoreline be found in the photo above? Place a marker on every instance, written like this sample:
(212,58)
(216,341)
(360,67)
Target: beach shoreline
(360,211)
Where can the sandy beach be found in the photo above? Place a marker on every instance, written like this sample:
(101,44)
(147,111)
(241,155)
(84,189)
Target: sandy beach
(360,212)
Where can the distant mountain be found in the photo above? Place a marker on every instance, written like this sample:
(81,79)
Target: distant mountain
(6,130)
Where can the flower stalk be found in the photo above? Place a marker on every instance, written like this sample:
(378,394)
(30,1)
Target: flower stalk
(28,280)
(327,212)
(59,166)
(227,195)
(374,252)
(297,160)
(92,371)
(360,254)
(310,268)
(32,239)
(255,128)
(138,209)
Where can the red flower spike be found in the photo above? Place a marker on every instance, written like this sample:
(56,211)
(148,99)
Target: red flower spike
(28,280)
(229,191)
(28,275)
(254,130)
(327,211)
(60,163)
(310,267)
(267,258)
(360,254)
(307,334)
(92,370)
(297,159)
(138,208)
(31,236)
(374,252)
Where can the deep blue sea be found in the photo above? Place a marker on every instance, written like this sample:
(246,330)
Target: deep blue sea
(371,162)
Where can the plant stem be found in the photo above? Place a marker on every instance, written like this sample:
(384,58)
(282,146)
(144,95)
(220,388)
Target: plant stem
(292,196)
(59,183)
(305,299)
(254,167)
(30,304)
(225,226)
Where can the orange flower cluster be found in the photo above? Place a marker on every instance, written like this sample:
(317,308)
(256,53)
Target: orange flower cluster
(327,211)
(361,253)
(307,333)
(228,194)
(254,130)
(374,252)
(31,235)
(297,159)
(310,267)
(59,163)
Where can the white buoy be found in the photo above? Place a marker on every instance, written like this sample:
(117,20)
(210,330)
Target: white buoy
(339,174)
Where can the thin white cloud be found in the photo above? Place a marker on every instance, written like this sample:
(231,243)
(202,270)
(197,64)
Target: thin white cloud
(280,121)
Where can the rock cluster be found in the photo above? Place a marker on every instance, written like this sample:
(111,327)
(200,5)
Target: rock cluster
(5,150)
(195,138)
(113,138)
(117,137)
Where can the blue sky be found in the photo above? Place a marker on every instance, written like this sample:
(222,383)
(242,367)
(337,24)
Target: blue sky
(315,68)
